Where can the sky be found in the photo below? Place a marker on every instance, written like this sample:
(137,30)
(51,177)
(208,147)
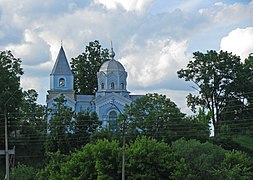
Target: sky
(153,39)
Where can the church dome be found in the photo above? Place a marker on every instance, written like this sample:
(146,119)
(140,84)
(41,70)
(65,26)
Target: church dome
(112,77)
(112,64)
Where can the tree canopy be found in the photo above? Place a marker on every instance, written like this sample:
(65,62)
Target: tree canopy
(85,67)
(10,91)
(158,117)
(215,76)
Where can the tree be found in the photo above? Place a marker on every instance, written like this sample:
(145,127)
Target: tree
(31,130)
(93,161)
(194,160)
(21,172)
(60,127)
(236,165)
(147,158)
(86,66)
(214,76)
(10,91)
(53,168)
(10,95)
(158,117)
(84,126)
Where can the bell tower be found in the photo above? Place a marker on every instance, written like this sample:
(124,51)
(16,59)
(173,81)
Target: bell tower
(61,78)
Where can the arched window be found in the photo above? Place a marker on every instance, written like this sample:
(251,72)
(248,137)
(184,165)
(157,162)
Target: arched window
(102,86)
(113,115)
(112,85)
(122,86)
(62,82)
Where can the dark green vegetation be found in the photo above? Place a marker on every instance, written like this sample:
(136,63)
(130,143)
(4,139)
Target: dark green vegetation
(161,141)
(85,67)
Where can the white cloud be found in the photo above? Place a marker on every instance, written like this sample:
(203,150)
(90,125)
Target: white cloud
(33,49)
(155,62)
(222,14)
(129,5)
(239,41)
(150,44)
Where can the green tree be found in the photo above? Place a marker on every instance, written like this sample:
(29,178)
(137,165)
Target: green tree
(31,130)
(236,165)
(81,165)
(10,95)
(158,117)
(154,116)
(21,172)
(84,126)
(10,91)
(214,76)
(85,68)
(52,170)
(194,160)
(93,161)
(148,159)
(196,126)
(60,127)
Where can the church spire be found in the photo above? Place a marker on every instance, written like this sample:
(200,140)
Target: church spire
(112,53)
(61,65)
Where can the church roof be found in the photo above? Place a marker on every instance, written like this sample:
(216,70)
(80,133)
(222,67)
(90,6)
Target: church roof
(112,64)
(61,65)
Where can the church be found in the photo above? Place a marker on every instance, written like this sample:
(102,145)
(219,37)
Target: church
(109,100)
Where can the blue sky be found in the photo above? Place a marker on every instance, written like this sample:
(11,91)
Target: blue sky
(152,38)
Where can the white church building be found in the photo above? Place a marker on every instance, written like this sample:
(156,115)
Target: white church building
(109,100)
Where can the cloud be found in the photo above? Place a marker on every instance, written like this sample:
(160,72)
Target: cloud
(129,5)
(222,14)
(239,41)
(33,49)
(155,63)
(151,43)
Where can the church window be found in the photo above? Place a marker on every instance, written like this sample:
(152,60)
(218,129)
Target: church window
(113,115)
(62,82)
(122,86)
(102,86)
(112,85)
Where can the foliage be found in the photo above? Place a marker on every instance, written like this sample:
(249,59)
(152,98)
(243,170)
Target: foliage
(60,127)
(10,96)
(93,161)
(215,76)
(85,67)
(158,117)
(22,172)
(52,170)
(236,165)
(84,126)
(31,130)
(10,91)
(148,159)
(108,162)
(194,160)
(81,164)
(154,116)
(196,127)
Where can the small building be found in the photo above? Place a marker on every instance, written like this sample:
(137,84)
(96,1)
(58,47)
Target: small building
(109,100)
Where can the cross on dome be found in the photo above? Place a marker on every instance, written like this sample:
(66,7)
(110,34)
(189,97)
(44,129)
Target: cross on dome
(112,53)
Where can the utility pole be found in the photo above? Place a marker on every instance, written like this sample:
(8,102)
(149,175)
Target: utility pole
(123,151)
(123,141)
(6,147)
(7,151)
